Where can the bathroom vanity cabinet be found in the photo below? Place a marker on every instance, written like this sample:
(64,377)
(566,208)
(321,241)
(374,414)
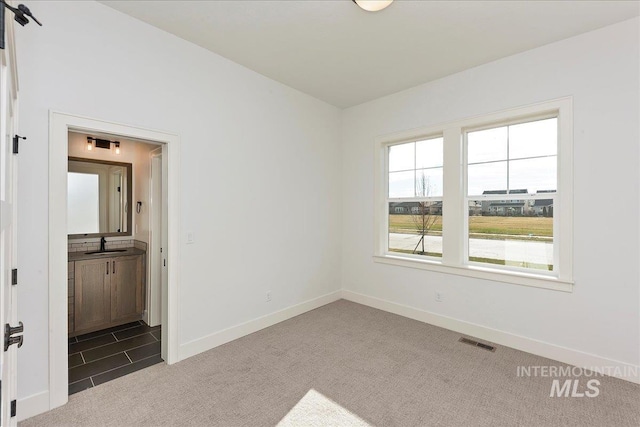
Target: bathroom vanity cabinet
(108,290)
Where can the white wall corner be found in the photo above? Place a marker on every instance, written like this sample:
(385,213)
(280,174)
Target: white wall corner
(233,333)
(622,370)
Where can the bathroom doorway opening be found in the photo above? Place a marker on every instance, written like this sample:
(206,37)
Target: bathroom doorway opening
(157,323)
(115,261)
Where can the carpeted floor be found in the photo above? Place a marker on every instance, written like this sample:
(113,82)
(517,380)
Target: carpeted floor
(345,364)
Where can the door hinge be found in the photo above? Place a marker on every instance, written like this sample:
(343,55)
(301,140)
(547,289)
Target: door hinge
(16,142)
(14,408)
(14,276)
(21,12)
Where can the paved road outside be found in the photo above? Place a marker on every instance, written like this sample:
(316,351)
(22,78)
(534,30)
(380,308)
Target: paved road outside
(512,250)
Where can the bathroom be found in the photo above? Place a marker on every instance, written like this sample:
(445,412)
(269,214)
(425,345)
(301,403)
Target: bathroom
(115,257)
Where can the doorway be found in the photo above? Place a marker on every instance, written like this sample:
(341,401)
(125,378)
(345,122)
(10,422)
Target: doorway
(60,126)
(110,201)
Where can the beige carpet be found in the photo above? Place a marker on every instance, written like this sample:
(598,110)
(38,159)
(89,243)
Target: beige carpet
(345,365)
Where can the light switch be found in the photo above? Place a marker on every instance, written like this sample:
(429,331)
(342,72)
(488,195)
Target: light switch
(190,238)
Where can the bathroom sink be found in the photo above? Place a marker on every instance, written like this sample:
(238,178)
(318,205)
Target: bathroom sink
(112,251)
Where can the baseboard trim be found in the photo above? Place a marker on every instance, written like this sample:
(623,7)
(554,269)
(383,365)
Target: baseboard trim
(622,370)
(33,405)
(222,337)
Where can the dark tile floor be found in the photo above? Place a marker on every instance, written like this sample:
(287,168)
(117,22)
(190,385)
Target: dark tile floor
(105,355)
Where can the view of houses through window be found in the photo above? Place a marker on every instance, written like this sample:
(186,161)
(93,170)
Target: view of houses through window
(511,189)
(415,197)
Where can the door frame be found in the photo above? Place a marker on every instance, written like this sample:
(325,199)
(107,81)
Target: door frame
(156,229)
(59,126)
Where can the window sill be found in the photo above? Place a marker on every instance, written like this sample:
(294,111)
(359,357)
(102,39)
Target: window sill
(506,276)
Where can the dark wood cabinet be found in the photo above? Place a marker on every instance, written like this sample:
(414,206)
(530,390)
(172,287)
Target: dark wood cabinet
(127,297)
(107,292)
(92,294)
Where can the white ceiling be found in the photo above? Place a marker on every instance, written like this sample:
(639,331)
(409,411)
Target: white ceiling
(334,51)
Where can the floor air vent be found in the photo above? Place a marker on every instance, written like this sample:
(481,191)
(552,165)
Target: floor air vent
(477,344)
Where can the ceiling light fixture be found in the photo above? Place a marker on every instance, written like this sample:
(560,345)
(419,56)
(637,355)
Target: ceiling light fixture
(373,5)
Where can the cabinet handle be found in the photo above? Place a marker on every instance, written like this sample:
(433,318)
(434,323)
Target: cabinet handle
(114,267)
(107,268)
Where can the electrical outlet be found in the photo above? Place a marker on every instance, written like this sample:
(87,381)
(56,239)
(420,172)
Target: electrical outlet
(268,296)
(439,296)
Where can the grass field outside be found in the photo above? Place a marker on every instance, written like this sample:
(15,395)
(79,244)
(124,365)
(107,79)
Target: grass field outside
(486,227)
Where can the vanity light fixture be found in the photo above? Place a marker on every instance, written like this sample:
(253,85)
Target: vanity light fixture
(373,5)
(102,143)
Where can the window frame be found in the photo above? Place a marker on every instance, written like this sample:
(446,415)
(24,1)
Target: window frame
(514,196)
(416,198)
(454,199)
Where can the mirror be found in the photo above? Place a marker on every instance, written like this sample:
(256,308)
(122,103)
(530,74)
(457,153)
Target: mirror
(98,198)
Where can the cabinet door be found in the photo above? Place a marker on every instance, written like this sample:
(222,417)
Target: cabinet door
(92,294)
(127,299)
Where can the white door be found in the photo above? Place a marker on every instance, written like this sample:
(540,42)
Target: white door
(165,253)
(8,242)
(156,258)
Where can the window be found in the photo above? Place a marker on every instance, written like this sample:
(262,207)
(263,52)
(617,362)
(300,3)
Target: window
(83,207)
(487,197)
(415,197)
(511,175)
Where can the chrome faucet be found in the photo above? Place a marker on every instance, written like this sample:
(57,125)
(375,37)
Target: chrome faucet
(102,243)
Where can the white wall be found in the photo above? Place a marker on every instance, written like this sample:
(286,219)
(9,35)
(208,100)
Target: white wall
(260,168)
(134,152)
(601,71)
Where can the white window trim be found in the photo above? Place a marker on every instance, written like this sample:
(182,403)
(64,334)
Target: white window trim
(455,246)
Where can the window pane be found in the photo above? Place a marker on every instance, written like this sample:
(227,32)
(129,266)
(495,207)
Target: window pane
(429,153)
(508,233)
(533,174)
(401,184)
(83,203)
(429,182)
(487,145)
(539,138)
(416,228)
(402,157)
(487,177)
